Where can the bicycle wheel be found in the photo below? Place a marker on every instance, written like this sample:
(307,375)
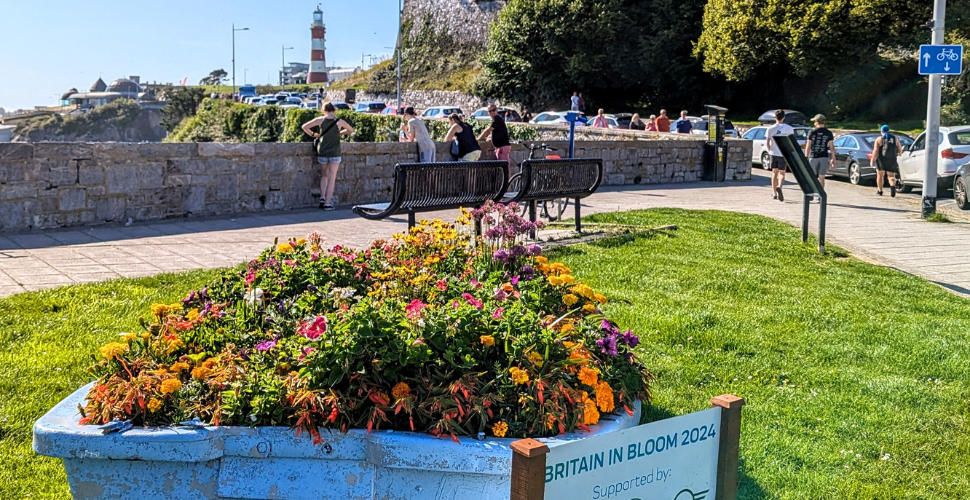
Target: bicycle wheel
(555,208)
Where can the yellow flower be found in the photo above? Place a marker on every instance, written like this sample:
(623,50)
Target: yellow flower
(588,376)
(535,358)
(560,268)
(599,297)
(300,242)
(192,315)
(519,376)
(171,385)
(590,415)
(284,248)
(112,350)
(555,281)
(568,279)
(146,335)
(567,327)
(500,429)
(569,299)
(589,308)
(604,397)
(154,405)
(487,340)
(200,372)
(583,290)
(542,260)
(401,391)
(179,367)
(160,310)
(550,421)
(127,337)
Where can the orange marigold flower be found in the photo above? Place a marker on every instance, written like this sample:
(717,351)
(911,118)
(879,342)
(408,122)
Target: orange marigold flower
(566,328)
(500,429)
(567,279)
(171,385)
(154,405)
(550,421)
(519,376)
(300,242)
(487,340)
(192,315)
(179,367)
(604,397)
(568,299)
(590,415)
(284,248)
(583,290)
(535,358)
(112,350)
(555,281)
(401,390)
(588,376)
(200,372)
(209,363)
(589,309)
(542,260)
(599,297)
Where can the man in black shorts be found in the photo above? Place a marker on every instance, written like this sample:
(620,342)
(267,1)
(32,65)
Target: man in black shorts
(778,163)
(885,151)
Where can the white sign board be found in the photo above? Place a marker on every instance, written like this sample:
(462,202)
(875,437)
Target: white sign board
(673,459)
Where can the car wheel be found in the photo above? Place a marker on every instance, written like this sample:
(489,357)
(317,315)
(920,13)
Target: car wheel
(855,173)
(765,161)
(960,193)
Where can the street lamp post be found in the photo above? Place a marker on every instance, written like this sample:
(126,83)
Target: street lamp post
(283,67)
(400,45)
(234,30)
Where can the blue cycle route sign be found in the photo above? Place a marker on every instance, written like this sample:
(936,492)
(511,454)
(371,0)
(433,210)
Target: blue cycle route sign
(940,59)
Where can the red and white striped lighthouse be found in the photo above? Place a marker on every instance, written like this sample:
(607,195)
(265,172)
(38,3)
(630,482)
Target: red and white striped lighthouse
(318,56)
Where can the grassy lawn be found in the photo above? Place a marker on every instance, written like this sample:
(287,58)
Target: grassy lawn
(856,377)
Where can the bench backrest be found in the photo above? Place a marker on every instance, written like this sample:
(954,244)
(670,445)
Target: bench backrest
(446,185)
(567,178)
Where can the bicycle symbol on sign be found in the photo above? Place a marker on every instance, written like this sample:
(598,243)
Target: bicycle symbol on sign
(947,53)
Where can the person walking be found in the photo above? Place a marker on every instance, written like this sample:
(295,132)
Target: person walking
(683,125)
(526,115)
(636,123)
(582,104)
(778,164)
(327,144)
(819,149)
(886,149)
(574,102)
(417,132)
(500,135)
(461,132)
(652,123)
(663,122)
(600,120)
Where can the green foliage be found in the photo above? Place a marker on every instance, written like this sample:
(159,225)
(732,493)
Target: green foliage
(181,103)
(383,78)
(120,115)
(264,124)
(295,118)
(214,78)
(938,217)
(434,60)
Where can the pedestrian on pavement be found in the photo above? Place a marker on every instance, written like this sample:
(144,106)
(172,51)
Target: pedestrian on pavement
(600,120)
(417,132)
(327,145)
(461,132)
(652,124)
(526,115)
(886,149)
(819,148)
(500,135)
(582,104)
(663,122)
(574,102)
(683,125)
(636,123)
(778,163)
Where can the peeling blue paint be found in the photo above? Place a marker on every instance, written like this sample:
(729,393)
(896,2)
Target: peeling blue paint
(272,463)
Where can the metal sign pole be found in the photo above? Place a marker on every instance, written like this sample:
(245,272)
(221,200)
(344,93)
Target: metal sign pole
(933,119)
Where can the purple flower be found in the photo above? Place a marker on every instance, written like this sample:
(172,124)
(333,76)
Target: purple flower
(515,281)
(266,345)
(190,298)
(518,251)
(528,273)
(501,256)
(630,339)
(500,294)
(534,250)
(608,345)
(608,327)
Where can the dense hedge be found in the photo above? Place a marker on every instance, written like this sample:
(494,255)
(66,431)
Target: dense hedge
(225,121)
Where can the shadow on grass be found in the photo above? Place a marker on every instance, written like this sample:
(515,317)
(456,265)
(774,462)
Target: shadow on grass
(748,488)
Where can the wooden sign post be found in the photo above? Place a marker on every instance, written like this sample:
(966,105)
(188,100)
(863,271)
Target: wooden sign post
(529,456)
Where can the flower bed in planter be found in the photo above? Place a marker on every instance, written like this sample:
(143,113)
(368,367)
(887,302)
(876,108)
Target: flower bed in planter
(434,332)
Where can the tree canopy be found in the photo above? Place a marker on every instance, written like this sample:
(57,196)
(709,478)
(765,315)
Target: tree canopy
(215,77)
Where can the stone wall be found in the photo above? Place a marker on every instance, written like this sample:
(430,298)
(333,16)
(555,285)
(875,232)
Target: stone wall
(466,21)
(50,185)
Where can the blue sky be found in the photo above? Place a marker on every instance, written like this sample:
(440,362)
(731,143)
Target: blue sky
(49,46)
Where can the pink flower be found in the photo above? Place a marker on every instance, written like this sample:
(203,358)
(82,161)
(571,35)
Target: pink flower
(306,352)
(499,295)
(476,284)
(314,328)
(440,285)
(472,300)
(420,341)
(454,305)
(250,277)
(498,313)
(414,309)
(290,263)
(314,256)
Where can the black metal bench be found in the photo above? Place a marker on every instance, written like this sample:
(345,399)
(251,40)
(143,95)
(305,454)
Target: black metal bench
(426,187)
(546,180)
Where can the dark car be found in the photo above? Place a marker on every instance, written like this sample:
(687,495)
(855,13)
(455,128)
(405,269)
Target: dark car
(623,120)
(374,107)
(792,117)
(853,155)
(340,105)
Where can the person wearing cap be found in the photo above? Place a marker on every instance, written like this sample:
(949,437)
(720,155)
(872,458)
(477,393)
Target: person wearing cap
(417,132)
(500,135)
(885,151)
(820,149)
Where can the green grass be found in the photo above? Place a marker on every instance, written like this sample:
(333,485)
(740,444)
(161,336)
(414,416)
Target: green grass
(830,353)
(938,217)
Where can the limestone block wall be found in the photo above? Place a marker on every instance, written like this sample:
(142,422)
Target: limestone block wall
(51,185)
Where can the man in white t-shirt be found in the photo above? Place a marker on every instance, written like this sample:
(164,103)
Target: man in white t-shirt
(574,102)
(778,164)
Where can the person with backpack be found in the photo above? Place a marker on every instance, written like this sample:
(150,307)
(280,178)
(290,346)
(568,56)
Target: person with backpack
(327,145)
(465,147)
(885,151)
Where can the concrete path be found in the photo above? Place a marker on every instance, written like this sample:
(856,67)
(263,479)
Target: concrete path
(880,229)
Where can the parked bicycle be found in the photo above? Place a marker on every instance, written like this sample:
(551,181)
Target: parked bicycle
(552,209)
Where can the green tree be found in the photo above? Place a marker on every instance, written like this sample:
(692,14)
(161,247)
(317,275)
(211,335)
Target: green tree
(215,78)
(181,103)
(617,52)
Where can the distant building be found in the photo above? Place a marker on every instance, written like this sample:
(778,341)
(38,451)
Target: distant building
(337,74)
(101,93)
(294,73)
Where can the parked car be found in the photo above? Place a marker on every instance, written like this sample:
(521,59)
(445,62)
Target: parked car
(954,155)
(759,147)
(700,128)
(311,104)
(393,110)
(440,112)
(554,118)
(792,117)
(340,105)
(482,114)
(374,107)
(853,156)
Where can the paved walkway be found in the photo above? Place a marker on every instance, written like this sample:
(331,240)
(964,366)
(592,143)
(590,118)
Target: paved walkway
(880,229)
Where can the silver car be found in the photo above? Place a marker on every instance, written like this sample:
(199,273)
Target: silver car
(759,147)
